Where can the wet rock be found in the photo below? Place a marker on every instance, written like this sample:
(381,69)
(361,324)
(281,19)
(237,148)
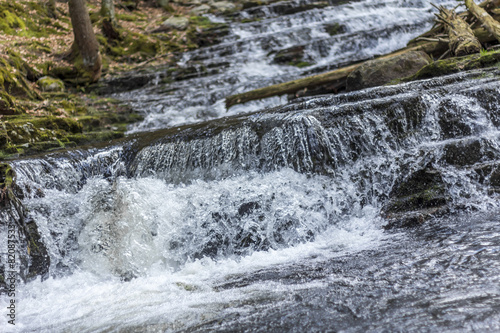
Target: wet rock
(453,124)
(381,71)
(495,177)
(416,198)
(489,175)
(211,36)
(30,251)
(178,23)
(290,55)
(464,152)
(122,83)
(289,8)
(254,3)
(334,29)
(202,9)
(247,208)
(50,84)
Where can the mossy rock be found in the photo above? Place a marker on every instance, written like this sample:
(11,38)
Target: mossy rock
(7,104)
(50,84)
(381,71)
(334,29)
(7,176)
(178,23)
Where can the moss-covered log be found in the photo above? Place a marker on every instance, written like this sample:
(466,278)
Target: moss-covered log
(461,37)
(487,21)
(290,87)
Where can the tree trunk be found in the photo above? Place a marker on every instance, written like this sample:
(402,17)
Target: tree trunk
(108,10)
(462,39)
(85,40)
(487,21)
(109,26)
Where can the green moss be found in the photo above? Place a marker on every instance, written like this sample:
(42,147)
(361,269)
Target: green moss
(334,29)
(127,17)
(457,64)
(7,104)
(13,74)
(7,176)
(300,64)
(10,22)
(34,22)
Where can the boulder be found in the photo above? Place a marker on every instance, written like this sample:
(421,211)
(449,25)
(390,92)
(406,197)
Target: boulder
(381,71)
(50,84)
(199,10)
(165,4)
(178,23)
(223,6)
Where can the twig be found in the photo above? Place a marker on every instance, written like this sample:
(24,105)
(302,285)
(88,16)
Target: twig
(444,54)
(442,40)
(435,6)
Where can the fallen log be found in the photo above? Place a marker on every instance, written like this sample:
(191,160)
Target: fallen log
(291,87)
(461,37)
(487,21)
(489,4)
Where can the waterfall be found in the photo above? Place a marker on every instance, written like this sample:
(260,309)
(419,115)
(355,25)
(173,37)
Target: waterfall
(244,60)
(306,166)
(217,221)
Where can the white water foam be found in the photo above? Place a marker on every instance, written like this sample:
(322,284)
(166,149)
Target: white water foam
(87,302)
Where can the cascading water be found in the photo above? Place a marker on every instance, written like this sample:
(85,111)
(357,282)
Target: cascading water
(274,220)
(244,60)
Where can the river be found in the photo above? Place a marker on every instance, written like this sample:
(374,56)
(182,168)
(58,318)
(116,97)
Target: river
(269,216)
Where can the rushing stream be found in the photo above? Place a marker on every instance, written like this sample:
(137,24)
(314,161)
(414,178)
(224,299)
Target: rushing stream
(275,220)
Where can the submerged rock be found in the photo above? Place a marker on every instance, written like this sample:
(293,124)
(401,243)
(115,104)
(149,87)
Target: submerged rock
(381,71)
